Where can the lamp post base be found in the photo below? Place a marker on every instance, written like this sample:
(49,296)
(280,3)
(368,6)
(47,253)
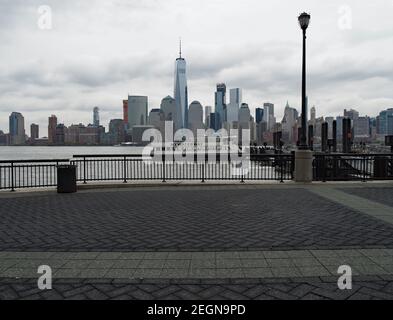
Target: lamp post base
(303,166)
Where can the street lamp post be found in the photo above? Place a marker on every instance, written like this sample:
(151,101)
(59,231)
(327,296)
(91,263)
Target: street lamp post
(304,20)
(303,155)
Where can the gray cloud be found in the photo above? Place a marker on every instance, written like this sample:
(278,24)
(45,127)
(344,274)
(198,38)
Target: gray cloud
(98,52)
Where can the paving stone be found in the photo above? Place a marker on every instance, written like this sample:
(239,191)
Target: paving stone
(177,264)
(157,221)
(313,271)
(228,263)
(93,273)
(151,264)
(286,272)
(76,264)
(254,263)
(101,264)
(275,288)
(258,273)
(174,273)
(125,264)
(120,273)
(201,264)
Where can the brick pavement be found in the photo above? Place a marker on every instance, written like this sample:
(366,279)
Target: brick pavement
(270,231)
(383,195)
(372,287)
(186,219)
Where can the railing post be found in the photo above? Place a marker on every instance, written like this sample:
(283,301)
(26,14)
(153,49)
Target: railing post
(242,181)
(364,168)
(163,168)
(281,170)
(125,169)
(203,171)
(84,170)
(12,177)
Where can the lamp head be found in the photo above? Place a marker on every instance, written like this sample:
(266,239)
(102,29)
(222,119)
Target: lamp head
(304,20)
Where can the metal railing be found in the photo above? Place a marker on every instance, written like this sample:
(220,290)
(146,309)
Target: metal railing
(16,174)
(352,167)
(132,168)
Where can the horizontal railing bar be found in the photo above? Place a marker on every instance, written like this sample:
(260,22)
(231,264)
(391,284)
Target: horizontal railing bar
(35,161)
(106,155)
(355,155)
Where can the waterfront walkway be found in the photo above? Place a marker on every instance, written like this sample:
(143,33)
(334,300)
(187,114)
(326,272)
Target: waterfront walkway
(276,241)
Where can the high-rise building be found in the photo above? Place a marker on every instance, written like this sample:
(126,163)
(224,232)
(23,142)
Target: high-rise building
(288,123)
(125,111)
(235,102)
(52,123)
(329,121)
(339,121)
(313,116)
(181,92)
(361,128)
(137,111)
(208,111)
(96,117)
(214,121)
(244,122)
(385,122)
(34,131)
(244,116)
(157,119)
(259,115)
(351,114)
(82,135)
(220,104)
(168,107)
(116,131)
(269,109)
(17,128)
(195,117)
(268,115)
(4,139)
(60,134)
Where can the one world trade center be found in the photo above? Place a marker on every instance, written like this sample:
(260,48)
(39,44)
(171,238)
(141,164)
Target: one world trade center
(181,93)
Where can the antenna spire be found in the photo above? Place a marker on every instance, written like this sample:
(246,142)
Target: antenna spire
(180,47)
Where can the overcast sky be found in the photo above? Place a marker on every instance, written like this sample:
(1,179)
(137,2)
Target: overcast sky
(99,51)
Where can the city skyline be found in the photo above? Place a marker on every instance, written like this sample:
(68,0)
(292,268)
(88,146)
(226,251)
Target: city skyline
(265,67)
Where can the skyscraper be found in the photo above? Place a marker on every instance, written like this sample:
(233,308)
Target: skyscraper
(220,104)
(52,123)
(384,122)
(96,117)
(34,131)
(208,111)
(259,115)
(195,120)
(181,92)
(244,116)
(168,107)
(125,112)
(313,115)
(137,111)
(235,102)
(268,115)
(157,119)
(17,128)
(351,114)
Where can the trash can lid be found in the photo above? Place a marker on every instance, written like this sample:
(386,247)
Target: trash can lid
(66,166)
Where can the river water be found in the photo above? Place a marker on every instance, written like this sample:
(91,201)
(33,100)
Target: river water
(30,153)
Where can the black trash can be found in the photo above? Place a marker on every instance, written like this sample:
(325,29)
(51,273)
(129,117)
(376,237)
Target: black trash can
(66,179)
(381,167)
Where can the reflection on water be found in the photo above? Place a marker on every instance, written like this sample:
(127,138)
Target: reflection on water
(28,153)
